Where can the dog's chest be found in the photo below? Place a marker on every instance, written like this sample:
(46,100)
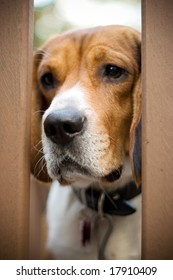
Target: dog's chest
(67,218)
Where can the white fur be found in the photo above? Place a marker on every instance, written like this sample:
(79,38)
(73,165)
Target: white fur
(73,97)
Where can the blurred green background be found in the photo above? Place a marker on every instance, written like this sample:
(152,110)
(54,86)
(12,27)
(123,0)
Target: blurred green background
(57,16)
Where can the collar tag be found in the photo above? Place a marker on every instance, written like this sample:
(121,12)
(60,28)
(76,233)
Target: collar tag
(85,229)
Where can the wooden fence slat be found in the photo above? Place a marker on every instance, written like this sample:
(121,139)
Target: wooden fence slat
(157,129)
(16,28)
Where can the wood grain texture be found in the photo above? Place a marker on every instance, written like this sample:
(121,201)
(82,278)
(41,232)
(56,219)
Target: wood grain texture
(16,22)
(38,224)
(157,129)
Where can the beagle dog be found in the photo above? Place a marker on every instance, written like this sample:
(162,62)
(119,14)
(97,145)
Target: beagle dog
(86,123)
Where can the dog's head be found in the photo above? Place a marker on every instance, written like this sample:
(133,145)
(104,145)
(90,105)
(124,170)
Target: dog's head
(87,105)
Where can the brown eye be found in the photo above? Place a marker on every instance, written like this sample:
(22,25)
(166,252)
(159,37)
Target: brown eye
(47,80)
(113,72)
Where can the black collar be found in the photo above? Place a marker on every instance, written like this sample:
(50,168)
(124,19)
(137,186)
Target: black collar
(114,202)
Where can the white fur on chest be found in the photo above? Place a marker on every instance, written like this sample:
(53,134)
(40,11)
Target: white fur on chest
(64,214)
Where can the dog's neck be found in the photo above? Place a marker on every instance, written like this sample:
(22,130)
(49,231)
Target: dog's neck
(112,203)
(112,199)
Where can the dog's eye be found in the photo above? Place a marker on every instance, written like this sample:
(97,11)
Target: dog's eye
(47,80)
(113,72)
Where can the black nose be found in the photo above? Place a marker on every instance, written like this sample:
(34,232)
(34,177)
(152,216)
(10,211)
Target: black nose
(63,125)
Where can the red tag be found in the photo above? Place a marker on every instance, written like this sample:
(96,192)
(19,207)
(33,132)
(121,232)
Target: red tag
(85,227)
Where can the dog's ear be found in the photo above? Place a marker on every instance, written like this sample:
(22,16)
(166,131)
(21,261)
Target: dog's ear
(135,133)
(38,164)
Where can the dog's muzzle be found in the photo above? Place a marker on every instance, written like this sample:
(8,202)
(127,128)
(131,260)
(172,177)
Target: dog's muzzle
(65,128)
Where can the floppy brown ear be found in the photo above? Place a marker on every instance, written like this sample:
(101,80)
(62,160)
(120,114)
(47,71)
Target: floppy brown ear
(38,164)
(135,133)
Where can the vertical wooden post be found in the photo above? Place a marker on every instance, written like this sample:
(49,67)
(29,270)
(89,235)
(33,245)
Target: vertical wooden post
(158,129)
(16,22)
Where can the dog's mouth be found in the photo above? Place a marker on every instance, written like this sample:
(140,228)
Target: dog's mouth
(69,165)
(69,169)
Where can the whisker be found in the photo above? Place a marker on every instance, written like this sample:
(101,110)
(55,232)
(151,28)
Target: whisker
(39,111)
(42,167)
(38,150)
(39,164)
